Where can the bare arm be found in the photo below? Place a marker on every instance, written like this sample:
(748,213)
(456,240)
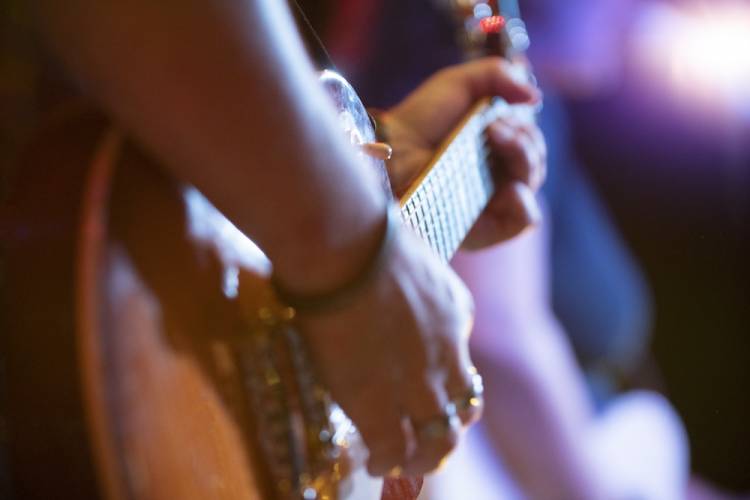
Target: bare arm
(224,95)
(538,413)
(536,409)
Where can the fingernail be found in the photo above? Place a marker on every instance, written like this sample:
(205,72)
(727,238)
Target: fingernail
(519,73)
(537,96)
(502,132)
(530,204)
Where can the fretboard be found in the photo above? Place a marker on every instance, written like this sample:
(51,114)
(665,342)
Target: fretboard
(445,201)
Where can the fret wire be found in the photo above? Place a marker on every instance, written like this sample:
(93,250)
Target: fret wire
(414,218)
(457,212)
(488,184)
(420,218)
(451,208)
(464,204)
(420,214)
(459,203)
(444,207)
(427,224)
(421,198)
(454,179)
(415,224)
(426,190)
(461,212)
(408,213)
(441,213)
(482,172)
(433,209)
(473,201)
(423,223)
(472,193)
(471,212)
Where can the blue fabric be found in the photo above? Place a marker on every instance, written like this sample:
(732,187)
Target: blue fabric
(598,291)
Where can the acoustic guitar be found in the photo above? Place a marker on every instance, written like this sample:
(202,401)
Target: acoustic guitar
(148,357)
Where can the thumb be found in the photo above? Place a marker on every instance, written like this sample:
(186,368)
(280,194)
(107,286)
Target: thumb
(495,76)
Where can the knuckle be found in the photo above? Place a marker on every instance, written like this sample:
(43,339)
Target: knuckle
(388,449)
(443,448)
(430,455)
(499,65)
(420,394)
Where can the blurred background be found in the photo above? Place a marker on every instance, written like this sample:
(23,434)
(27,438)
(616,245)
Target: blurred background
(649,101)
(647,116)
(666,141)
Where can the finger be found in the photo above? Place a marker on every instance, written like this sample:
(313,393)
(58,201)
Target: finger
(495,76)
(519,152)
(464,388)
(434,432)
(457,360)
(380,424)
(511,152)
(539,171)
(460,373)
(513,209)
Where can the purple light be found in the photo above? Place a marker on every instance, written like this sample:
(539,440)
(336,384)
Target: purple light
(701,49)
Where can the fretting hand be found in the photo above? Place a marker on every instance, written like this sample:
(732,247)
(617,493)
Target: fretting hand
(418,124)
(397,356)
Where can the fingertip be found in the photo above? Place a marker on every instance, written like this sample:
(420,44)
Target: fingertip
(529,202)
(525,93)
(536,95)
(501,132)
(496,76)
(384,461)
(513,210)
(430,457)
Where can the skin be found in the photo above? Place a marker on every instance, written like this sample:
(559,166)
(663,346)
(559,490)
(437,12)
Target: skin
(538,414)
(536,411)
(227,84)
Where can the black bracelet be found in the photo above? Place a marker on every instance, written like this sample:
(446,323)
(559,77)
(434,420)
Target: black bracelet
(344,295)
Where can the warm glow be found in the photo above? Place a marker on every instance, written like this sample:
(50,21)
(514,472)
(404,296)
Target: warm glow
(492,24)
(702,47)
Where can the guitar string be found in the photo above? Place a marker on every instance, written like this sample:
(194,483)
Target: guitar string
(313,34)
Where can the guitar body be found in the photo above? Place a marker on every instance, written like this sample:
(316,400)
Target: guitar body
(148,357)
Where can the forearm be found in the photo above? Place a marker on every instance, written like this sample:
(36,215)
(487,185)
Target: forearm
(223,94)
(536,409)
(538,418)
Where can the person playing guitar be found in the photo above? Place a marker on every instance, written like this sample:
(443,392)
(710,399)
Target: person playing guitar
(223,95)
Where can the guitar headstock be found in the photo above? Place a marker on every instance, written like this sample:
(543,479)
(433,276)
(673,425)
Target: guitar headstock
(489,27)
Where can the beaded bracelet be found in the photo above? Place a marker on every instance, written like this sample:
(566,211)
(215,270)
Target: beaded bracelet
(344,295)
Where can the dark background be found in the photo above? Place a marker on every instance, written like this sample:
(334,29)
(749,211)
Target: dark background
(677,185)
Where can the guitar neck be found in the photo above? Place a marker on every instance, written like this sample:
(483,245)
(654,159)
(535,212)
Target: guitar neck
(446,200)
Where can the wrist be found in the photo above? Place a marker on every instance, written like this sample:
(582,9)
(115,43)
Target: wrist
(329,256)
(342,294)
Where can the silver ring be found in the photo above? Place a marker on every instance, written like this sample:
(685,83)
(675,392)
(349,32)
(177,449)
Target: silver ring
(438,427)
(472,399)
